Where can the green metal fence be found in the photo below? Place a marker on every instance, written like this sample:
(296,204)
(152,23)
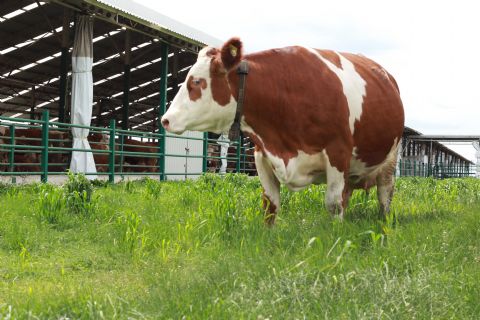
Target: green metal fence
(44,148)
(41,147)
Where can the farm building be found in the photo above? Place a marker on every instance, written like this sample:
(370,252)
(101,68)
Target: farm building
(423,155)
(134,60)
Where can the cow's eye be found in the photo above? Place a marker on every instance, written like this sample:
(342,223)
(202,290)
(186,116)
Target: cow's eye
(196,82)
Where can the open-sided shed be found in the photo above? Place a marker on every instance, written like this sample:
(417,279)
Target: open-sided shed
(140,58)
(128,43)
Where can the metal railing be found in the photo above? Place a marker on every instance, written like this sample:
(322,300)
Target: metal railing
(437,170)
(41,147)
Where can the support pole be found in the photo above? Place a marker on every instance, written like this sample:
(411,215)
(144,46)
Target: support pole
(175,71)
(126,80)
(205,152)
(64,66)
(111,155)
(430,160)
(162,108)
(101,108)
(44,159)
(155,120)
(32,105)
(11,155)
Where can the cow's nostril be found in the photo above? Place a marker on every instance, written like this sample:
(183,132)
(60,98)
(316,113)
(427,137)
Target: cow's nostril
(165,123)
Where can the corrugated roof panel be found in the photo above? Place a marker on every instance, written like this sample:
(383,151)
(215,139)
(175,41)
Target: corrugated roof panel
(156,18)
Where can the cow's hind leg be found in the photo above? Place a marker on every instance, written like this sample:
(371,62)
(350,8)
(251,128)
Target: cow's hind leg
(338,191)
(271,187)
(385,186)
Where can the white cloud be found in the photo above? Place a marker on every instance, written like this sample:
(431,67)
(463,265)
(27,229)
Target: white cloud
(431,47)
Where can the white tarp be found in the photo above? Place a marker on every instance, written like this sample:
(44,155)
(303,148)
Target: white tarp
(82,95)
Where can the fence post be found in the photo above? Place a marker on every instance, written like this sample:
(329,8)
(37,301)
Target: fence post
(205,152)
(111,156)
(44,155)
(239,150)
(121,137)
(244,157)
(163,107)
(11,156)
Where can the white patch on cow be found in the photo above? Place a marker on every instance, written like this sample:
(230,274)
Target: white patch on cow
(354,86)
(360,171)
(203,114)
(300,172)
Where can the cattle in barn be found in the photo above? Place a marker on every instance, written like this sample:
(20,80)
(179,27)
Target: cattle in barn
(29,159)
(213,154)
(58,160)
(100,141)
(140,163)
(216,159)
(248,162)
(3,150)
(231,159)
(315,116)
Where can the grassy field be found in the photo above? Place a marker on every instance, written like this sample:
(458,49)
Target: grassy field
(199,250)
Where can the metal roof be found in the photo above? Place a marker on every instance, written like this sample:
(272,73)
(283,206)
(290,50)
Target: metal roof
(446,138)
(147,15)
(414,135)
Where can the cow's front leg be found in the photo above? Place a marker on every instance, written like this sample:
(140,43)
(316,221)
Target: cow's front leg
(338,192)
(271,187)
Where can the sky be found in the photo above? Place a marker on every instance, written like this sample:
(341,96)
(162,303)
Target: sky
(432,48)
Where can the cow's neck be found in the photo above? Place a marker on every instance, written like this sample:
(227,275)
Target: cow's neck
(267,110)
(255,114)
(234,83)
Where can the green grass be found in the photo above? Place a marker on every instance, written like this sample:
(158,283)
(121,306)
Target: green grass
(200,249)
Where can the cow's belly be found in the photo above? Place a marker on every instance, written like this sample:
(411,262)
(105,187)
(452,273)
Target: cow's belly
(305,169)
(301,171)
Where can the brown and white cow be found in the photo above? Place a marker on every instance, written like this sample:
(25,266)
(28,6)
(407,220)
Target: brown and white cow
(100,141)
(148,162)
(315,116)
(28,160)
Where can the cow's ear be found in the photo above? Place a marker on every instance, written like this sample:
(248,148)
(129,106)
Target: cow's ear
(232,53)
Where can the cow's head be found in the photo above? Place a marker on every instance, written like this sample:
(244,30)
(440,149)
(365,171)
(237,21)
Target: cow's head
(204,101)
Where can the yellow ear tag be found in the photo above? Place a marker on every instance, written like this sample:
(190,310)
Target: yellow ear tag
(233,50)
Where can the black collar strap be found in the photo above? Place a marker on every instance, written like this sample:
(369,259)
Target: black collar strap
(242,72)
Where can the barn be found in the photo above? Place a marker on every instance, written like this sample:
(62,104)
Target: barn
(140,57)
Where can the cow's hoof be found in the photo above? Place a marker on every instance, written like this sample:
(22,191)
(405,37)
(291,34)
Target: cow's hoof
(338,217)
(270,219)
